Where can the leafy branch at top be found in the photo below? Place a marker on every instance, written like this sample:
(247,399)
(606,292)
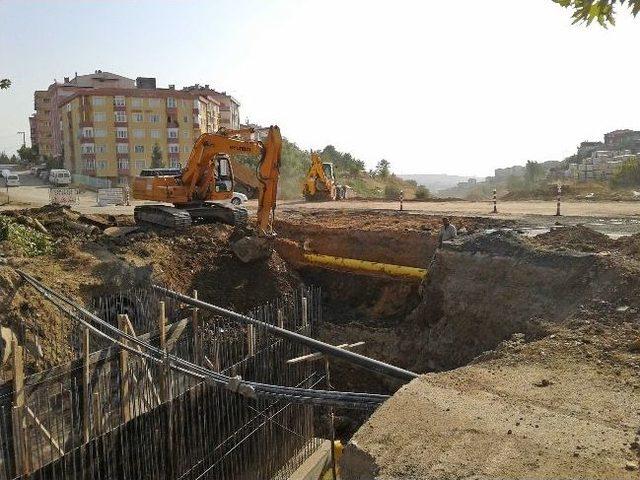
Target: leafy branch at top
(603,11)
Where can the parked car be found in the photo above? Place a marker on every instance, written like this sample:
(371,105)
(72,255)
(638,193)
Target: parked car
(59,176)
(238,198)
(12,180)
(44,175)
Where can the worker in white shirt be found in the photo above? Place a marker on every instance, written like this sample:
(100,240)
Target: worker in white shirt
(447,232)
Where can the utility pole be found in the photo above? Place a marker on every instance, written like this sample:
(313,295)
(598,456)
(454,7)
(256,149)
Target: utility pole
(24,138)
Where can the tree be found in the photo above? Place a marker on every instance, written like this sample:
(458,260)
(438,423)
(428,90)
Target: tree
(422,193)
(603,11)
(391,192)
(4,158)
(156,157)
(383,168)
(628,175)
(27,155)
(534,172)
(5,83)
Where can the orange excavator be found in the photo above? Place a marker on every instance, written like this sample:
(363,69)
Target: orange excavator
(320,182)
(201,192)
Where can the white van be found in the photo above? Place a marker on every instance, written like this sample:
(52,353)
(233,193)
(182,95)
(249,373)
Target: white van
(13,180)
(59,176)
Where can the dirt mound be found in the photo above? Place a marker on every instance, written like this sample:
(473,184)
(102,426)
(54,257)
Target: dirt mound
(579,238)
(524,414)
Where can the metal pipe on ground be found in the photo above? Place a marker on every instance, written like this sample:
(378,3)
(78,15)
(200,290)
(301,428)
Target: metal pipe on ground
(316,345)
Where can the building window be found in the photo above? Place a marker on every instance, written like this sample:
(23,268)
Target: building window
(154,102)
(97,101)
(118,101)
(90,164)
(185,119)
(154,118)
(196,103)
(174,149)
(102,164)
(87,148)
(122,148)
(123,164)
(120,116)
(138,133)
(136,103)
(87,132)
(101,149)
(99,133)
(138,117)
(195,119)
(155,133)
(123,181)
(121,132)
(185,133)
(140,164)
(171,102)
(172,132)
(138,149)
(174,163)
(99,116)
(186,149)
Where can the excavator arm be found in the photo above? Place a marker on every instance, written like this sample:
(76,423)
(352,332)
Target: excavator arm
(199,174)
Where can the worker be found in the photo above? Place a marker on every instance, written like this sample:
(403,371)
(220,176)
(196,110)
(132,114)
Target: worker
(447,232)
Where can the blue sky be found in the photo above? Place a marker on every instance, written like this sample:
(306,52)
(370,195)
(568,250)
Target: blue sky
(462,89)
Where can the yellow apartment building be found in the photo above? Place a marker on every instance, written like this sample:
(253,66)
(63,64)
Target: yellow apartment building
(110,133)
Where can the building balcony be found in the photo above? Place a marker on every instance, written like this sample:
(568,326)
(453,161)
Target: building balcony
(122,140)
(120,124)
(91,172)
(173,124)
(86,124)
(172,110)
(173,140)
(123,171)
(119,108)
(84,140)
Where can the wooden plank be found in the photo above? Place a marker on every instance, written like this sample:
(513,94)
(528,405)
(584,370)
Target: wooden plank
(305,312)
(195,329)
(19,433)
(251,340)
(125,399)
(97,415)
(44,431)
(85,385)
(162,339)
(318,355)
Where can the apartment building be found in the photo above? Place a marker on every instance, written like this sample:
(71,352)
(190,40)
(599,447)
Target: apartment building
(40,123)
(229,106)
(111,132)
(46,128)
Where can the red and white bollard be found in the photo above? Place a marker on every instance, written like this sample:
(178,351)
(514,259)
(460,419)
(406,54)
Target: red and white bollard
(495,201)
(401,199)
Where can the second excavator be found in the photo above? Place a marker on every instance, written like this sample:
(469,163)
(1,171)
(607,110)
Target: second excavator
(201,191)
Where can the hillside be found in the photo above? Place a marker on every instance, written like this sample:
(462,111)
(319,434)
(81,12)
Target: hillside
(435,181)
(376,183)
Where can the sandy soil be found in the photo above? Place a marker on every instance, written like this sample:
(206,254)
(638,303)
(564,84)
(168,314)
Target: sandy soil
(562,407)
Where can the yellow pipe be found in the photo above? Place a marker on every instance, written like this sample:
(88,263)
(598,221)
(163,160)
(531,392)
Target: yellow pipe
(364,265)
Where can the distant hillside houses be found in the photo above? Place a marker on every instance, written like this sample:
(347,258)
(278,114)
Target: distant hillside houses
(602,160)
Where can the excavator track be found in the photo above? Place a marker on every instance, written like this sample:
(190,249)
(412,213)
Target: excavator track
(162,215)
(186,215)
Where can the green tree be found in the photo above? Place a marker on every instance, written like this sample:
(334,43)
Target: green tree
(534,172)
(628,175)
(392,191)
(602,11)
(422,192)
(383,168)
(156,157)
(4,158)
(5,83)
(27,154)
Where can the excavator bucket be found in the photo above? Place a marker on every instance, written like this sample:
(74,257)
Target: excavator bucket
(252,248)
